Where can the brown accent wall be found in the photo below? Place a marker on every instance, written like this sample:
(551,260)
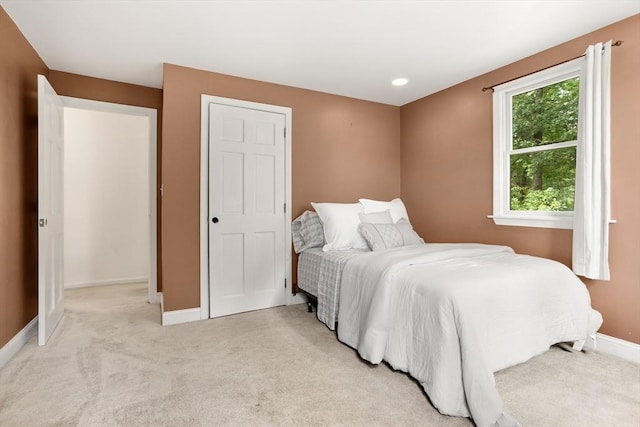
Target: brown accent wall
(19,67)
(78,86)
(447,161)
(342,149)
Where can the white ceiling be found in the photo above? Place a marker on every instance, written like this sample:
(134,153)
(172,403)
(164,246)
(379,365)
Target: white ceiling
(351,48)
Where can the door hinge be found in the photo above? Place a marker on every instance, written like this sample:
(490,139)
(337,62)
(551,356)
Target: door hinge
(285,208)
(285,132)
(285,283)
(42,222)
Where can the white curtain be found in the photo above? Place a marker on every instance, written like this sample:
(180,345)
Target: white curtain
(592,207)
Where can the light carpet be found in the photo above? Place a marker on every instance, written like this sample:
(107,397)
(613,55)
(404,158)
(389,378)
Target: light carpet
(111,363)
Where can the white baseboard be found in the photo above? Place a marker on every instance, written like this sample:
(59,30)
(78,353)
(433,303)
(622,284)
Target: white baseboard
(11,348)
(616,347)
(105,282)
(178,316)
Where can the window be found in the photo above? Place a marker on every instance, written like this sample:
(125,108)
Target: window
(535,143)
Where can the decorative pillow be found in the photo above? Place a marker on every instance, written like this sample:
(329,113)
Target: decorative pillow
(312,230)
(306,232)
(395,206)
(296,236)
(387,236)
(340,223)
(383,217)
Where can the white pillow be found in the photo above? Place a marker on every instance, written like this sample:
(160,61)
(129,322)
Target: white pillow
(340,223)
(383,217)
(396,207)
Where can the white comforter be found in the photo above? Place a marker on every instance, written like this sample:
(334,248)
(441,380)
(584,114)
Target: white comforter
(452,314)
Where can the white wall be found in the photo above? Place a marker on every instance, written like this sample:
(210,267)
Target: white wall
(106,198)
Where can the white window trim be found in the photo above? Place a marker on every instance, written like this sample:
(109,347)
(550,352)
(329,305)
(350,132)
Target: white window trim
(502,131)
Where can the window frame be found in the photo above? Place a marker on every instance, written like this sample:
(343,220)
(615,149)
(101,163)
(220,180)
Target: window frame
(502,146)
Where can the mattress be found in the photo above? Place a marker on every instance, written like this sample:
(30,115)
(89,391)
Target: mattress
(320,274)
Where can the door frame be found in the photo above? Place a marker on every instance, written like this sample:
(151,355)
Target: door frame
(204,190)
(152,114)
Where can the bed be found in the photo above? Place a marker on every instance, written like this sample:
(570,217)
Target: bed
(319,277)
(450,315)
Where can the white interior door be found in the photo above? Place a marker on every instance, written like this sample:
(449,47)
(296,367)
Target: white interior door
(246,209)
(50,210)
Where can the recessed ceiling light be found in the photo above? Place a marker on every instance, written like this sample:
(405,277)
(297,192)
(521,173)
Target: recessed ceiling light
(400,82)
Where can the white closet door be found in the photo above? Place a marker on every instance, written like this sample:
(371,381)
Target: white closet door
(246,209)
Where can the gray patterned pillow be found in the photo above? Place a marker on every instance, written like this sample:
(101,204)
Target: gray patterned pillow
(306,232)
(387,236)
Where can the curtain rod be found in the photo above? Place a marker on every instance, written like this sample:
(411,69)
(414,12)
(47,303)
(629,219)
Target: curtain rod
(484,89)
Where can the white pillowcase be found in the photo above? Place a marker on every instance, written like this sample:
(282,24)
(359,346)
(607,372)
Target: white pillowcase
(340,223)
(395,206)
(383,217)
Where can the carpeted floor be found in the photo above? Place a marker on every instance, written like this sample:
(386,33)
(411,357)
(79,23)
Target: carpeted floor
(111,363)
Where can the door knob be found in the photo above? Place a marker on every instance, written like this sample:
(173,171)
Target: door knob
(215,220)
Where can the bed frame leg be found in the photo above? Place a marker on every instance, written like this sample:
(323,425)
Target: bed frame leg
(311,300)
(577,345)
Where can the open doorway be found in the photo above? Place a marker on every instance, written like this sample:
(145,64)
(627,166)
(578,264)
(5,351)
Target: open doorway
(110,195)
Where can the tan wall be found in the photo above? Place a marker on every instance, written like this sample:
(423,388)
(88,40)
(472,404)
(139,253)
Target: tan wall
(447,160)
(78,86)
(342,149)
(19,66)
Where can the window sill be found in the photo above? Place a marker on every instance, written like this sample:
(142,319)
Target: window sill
(539,221)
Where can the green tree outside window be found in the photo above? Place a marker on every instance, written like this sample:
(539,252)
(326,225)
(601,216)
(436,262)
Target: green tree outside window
(544,179)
